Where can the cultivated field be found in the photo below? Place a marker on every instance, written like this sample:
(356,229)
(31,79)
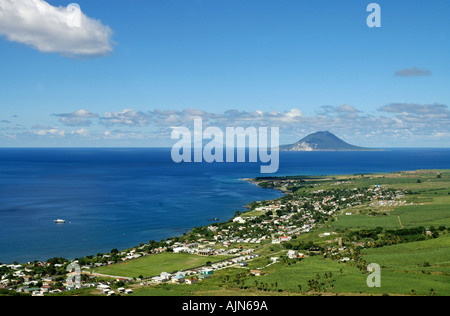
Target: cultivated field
(410,241)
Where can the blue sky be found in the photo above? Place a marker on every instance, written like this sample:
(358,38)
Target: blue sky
(133,69)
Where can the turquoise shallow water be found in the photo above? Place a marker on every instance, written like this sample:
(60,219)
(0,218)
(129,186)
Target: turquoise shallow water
(118,198)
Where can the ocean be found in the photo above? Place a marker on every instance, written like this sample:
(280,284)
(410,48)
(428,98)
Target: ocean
(121,197)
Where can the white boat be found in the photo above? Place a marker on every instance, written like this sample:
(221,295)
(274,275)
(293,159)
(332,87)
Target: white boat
(60,221)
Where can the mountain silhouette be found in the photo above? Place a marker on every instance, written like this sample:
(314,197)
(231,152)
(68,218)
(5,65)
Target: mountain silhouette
(322,141)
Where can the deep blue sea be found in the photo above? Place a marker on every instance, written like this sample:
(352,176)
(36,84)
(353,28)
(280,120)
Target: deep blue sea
(119,198)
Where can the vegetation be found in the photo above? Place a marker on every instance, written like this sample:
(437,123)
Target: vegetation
(339,224)
(154,265)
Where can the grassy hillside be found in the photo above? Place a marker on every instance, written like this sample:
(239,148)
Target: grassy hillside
(154,265)
(408,238)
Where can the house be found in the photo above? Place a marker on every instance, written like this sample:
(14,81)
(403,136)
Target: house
(191,281)
(257,272)
(239,220)
(275,259)
(157,280)
(292,254)
(205,252)
(180,249)
(45,288)
(285,238)
(103,287)
(165,276)
(207,272)
(178,279)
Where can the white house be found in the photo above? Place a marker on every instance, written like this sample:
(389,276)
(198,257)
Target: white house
(191,281)
(239,220)
(180,249)
(165,276)
(285,238)
(157,280)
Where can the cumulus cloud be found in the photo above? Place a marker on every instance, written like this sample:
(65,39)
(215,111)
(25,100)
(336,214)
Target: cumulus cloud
(421,109)
(395,124)
(64,30)
(338,110)
(127,117)
(412,72)
(228,118)
(396,121)
(81,132)
(50,132)
(423,118)
(77,118)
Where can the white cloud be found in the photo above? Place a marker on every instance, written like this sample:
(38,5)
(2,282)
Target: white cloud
(50,132)
(123,135)
(64,30)
(81,132)
(128,117)
(402,121)
(77,118)
(396,124)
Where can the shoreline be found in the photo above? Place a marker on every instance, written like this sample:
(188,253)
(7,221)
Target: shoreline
(266,224)
(255,182)
(252,181)
(136,245)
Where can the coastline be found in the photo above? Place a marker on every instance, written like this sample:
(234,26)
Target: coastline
(232,216)
(255,182)
(284,224)
(182,230)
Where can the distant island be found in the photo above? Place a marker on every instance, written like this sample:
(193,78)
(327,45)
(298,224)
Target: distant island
(322,141)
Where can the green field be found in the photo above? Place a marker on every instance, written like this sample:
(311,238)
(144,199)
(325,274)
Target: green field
(424,215)
(365,221)
(407,268)
(418,266)
(153,265)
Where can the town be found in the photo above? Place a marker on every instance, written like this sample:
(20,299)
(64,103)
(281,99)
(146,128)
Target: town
(234,243)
